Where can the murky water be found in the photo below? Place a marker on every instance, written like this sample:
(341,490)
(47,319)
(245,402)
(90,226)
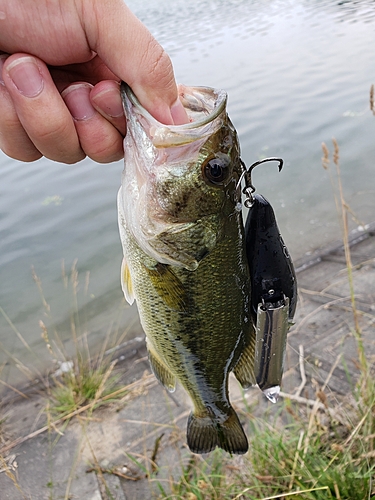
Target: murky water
(297,73)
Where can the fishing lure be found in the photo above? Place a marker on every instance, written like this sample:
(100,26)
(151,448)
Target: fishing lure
(273,286)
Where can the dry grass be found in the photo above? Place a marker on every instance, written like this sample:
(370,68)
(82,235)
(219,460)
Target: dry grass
(79,382)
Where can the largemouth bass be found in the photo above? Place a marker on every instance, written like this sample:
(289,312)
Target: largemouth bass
(184,261)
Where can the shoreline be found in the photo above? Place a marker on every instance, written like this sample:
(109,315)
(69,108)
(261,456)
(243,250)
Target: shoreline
(322,328)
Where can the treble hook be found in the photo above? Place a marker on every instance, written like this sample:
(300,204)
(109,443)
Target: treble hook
(249,189)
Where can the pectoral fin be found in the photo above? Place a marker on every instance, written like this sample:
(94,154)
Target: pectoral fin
(244,369)
(126,282)
(161,372)
(169,287)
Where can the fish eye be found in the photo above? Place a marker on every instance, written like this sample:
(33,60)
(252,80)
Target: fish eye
(216,170)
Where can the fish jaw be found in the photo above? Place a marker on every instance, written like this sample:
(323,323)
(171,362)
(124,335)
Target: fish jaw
(163,191)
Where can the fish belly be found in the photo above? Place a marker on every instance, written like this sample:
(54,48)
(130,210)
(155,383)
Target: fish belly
(196,324)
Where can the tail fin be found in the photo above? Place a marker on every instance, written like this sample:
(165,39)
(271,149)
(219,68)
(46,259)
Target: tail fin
(204,434)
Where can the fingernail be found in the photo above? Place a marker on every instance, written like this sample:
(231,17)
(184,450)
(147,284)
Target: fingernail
(77,99)
(178,113)
(3,57)
(26,76)
(109,102)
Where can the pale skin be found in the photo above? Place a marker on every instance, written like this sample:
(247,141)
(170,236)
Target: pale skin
(61,62)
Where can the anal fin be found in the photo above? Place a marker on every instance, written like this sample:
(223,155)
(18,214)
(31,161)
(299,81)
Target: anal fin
(244,369)
(161,372)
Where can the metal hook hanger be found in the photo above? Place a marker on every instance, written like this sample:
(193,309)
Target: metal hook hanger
(249,189)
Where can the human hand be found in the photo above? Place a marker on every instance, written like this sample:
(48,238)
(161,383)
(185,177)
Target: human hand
(60,67)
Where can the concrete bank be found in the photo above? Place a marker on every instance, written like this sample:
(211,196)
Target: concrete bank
(91,458)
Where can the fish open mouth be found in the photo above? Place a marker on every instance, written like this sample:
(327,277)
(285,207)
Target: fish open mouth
(168,199)
(204,106)
(171,147)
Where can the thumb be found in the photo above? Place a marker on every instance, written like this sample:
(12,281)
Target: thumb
(132,53)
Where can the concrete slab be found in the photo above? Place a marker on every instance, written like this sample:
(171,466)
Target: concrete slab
(136,446)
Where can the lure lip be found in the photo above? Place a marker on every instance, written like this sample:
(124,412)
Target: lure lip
(270,344)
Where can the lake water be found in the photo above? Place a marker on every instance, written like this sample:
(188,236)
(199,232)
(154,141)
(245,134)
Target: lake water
(297,74)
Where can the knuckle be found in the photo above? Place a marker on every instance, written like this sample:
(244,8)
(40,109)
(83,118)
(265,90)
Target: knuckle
(106,151)
(57,143)
(24,154)
(100,140)
(28,140)
(67,158)
(17,145)
(158,62)
(51,133)
(115,156)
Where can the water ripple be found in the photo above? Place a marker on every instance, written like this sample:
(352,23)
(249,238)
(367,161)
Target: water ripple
(297,73)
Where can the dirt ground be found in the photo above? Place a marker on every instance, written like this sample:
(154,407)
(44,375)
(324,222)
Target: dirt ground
(41,460)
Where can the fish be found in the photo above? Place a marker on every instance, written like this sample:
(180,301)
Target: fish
(273,293)
(185,265)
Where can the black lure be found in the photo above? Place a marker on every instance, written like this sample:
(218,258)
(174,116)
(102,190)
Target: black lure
(271,269)
(273,287)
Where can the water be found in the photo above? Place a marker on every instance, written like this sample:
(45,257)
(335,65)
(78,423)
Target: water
(297,73)
(272,393)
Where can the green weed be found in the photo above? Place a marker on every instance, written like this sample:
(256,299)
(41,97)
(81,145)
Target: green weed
(80,386)
(80,378)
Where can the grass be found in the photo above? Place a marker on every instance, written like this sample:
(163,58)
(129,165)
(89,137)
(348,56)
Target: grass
(201,479)
(311,455)
(319,456)
(80,386)
(79,382)
(80,378)
(77,376)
